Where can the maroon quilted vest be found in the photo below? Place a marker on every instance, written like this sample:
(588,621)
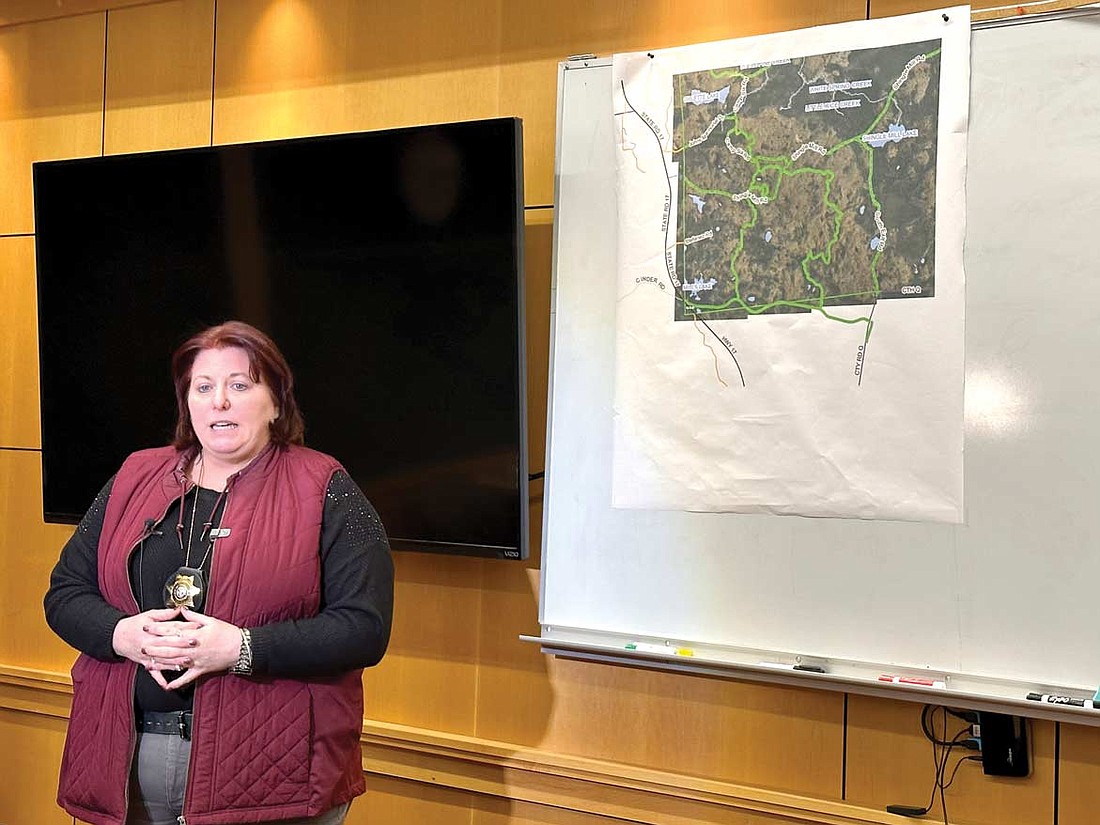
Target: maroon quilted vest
(262,749)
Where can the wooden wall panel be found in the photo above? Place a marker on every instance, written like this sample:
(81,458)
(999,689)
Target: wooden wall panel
(889,8)
(28,550)
(496,811)
(35,692)
(1078,773)
(30,756)
(429,675)
(19,408)
(160,61)
(536,36)
(782,738)
(51,105)
(399,802)
(288,69)
(28,11)
(299,68)
(890,761)
(516,700)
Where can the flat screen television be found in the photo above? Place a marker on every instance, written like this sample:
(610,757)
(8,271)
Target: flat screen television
(386,265)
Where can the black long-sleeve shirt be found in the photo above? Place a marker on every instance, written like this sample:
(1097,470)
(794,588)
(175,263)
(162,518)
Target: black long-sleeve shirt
(351,629)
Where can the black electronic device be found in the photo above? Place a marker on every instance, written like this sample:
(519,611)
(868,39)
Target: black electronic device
(387,266)
(1003,744)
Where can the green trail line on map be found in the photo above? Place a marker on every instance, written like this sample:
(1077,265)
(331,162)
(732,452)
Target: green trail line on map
(777,169)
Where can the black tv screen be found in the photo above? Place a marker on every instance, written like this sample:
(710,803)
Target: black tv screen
(386,265)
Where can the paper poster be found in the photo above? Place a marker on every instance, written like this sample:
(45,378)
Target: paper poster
(790,316)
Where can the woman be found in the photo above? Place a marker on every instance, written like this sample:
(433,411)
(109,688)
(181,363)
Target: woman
(225,593)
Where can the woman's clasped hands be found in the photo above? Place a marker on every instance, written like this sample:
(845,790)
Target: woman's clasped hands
(177,641)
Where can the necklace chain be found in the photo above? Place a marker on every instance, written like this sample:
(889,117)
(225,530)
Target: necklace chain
(194,509)
(206,528)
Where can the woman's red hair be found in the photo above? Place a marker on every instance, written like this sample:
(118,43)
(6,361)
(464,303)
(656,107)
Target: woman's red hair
(265,364)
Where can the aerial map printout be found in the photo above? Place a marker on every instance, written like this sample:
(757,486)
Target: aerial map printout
(789,326)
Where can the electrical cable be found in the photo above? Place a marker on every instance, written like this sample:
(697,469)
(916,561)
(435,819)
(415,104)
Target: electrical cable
(927,725)
(970,716)
(947,748)
(956,770)
(941,753)
(929,733)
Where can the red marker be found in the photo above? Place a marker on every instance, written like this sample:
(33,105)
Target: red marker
(912,680)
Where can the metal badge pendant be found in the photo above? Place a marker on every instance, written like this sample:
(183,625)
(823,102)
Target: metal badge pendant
(185,588)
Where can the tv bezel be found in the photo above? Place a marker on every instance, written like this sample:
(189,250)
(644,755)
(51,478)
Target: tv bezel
(522,548)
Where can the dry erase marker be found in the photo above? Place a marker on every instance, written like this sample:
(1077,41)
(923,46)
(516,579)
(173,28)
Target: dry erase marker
(912,680)
(799,667)
(649,647)
(667,650)
(1051,699)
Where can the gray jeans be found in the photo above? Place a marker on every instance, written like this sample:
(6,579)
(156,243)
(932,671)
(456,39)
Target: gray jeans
(159,777)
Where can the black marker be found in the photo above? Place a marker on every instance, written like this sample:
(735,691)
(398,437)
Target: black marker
(1051,699)
(785,666)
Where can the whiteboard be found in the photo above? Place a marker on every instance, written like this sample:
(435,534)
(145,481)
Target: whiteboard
(997,607)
